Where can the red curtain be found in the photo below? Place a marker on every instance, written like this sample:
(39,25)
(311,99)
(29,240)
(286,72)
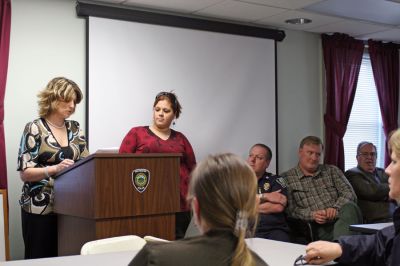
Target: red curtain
(5,23)
(342,57)
(385,66)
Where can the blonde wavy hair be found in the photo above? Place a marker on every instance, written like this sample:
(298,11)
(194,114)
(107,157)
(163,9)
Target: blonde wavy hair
(394,142)
(57,90)
(225,186)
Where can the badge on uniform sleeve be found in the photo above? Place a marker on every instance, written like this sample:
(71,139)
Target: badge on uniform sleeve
(140,179)
(281,181)
(266,186)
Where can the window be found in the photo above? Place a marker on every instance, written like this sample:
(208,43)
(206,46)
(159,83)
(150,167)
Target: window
(365,123)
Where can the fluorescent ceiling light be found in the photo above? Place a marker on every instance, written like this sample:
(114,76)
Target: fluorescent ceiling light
(298,21)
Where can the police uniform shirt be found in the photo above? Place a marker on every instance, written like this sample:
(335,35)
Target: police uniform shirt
(266,184)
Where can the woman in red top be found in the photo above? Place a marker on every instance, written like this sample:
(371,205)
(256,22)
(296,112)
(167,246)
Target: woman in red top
(160,138)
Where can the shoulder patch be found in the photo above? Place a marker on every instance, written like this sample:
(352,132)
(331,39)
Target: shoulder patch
(281,181)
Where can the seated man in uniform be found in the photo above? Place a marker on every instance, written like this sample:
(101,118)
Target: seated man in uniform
(320,193)
(371,185)
(272,194)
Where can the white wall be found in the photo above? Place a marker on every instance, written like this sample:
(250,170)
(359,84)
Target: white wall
(47,40)
(300,97)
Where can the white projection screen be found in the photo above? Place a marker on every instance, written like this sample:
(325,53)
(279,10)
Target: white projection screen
(225,83)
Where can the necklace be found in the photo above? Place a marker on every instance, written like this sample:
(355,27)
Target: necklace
(159,133)
(53,125)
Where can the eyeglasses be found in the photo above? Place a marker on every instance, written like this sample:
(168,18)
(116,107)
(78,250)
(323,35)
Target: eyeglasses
(366,154)
(300,261)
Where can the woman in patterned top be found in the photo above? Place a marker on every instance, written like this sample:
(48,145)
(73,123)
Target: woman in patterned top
(160,138)
(49,144)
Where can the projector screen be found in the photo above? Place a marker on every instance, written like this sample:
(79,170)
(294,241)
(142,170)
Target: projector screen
(225,83)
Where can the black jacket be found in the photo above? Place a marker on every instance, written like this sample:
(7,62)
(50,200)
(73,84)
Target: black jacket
(372,196)
(382,248)
(214,248)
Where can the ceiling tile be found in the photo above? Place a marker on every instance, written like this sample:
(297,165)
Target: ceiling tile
(186,6)
(317,20)
(387,35)
(236,10)
(350,27)
(289,4)
(379,11)
(344,16)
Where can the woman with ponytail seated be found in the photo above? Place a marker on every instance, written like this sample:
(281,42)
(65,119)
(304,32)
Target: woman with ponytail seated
(223,201)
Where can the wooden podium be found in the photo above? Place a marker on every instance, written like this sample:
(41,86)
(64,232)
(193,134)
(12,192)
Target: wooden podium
(96,198)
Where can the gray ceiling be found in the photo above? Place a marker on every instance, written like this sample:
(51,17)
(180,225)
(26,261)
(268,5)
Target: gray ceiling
(362,19)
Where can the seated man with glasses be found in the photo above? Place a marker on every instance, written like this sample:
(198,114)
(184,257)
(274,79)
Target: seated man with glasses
(371,185)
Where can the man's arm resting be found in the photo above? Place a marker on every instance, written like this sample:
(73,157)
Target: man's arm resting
(274,197)
(269,207)
(365,189)
(304,214)
(343,187)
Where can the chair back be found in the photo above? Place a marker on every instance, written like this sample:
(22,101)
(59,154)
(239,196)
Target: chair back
(192,229)
(113,244)
(154,239)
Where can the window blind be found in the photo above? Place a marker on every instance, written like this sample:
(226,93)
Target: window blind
(365,123)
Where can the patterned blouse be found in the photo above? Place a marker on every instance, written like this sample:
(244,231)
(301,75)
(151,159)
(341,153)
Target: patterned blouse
(143,140)
(39,148)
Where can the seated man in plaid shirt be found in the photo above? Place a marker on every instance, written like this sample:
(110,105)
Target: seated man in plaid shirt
(320,193)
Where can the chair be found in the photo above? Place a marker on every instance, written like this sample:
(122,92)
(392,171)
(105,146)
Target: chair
(192,229)
(113,244)
(301,232)
(154,239)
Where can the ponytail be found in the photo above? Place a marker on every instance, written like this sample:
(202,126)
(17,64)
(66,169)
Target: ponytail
(242,255)
(226,187)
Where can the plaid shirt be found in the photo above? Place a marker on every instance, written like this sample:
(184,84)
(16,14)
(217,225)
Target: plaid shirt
(328,188)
